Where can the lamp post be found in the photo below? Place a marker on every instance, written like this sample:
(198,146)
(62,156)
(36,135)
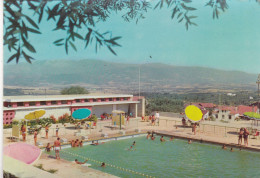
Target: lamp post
(139,80)
(258,83)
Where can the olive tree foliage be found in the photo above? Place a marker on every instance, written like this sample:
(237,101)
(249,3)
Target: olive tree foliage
(72,15)
(74,90)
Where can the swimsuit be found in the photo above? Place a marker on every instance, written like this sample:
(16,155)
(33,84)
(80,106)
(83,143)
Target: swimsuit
(246,136)
(56,148)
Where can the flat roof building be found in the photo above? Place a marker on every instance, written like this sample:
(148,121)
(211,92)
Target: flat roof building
(16,107)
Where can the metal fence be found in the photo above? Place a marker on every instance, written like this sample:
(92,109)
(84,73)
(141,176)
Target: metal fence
(203,128)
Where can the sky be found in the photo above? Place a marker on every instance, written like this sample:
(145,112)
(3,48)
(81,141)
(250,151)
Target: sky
(230,43)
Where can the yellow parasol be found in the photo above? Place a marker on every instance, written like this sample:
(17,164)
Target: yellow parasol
(34,115)
(193,113)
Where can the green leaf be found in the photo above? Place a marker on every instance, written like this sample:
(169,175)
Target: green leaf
(87,38)
(18,55)
(174,12)
(33,31)
(73,46)
(187,1)
(112,50)
(187,26)
(57,41)
(115,38)
(11,58)
(192,17)
(27,58)
(180,20)
(31,22)
(187,8)
(28,45)
(78,36)
(66,46)
(179,15)
(59,44)
(194,23)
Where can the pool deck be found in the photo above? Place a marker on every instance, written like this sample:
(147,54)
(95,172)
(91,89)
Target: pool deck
(203,139)
(69,169)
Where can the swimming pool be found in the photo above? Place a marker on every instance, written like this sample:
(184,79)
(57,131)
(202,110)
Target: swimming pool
(168,159)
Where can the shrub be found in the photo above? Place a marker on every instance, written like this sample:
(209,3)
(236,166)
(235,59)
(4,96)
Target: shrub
(54,120)
(15,122)
(6,126)
(93,118)
(64,118)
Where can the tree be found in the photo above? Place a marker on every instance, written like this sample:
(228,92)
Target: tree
(71,16)
(74,90)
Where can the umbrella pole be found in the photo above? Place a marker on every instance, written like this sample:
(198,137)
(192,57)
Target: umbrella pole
(120,121)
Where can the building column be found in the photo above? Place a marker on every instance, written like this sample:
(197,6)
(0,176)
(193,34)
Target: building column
(135,114)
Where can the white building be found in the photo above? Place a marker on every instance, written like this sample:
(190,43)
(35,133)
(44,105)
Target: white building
(57,105)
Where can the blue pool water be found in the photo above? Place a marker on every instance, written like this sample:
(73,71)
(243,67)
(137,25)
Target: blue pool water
(168,159)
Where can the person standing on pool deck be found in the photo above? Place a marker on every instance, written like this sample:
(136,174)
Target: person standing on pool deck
(240,136)
(194,128)
(47,130)
(57,148)
(35,136)
(246,133)
(23,130)
(157,117)
(57,131)
(127,119)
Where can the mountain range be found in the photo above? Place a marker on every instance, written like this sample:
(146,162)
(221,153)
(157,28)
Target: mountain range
(114,76)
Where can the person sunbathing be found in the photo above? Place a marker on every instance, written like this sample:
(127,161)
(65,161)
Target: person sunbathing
(48,147)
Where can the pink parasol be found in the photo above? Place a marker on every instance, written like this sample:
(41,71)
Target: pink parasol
(22,152)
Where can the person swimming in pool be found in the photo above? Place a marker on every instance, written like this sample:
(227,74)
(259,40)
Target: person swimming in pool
(134,143)
(131,148)
(152,137)
(148,135)
(189,141)
(103,164)
(162,139)
(224,147)
(78,162)
(171,139)
(231,149)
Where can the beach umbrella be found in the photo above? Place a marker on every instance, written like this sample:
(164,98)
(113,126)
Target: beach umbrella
(22,152)
(34,115)
(81,114)
(193,113)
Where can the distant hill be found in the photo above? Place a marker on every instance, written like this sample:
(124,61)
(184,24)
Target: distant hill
(154,76)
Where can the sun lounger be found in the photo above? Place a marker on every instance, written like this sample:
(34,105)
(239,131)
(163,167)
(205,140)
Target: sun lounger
(39,144)
(84,137)
(138,130)
(256,135)
(63,140)
(104,135)
(122,132)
